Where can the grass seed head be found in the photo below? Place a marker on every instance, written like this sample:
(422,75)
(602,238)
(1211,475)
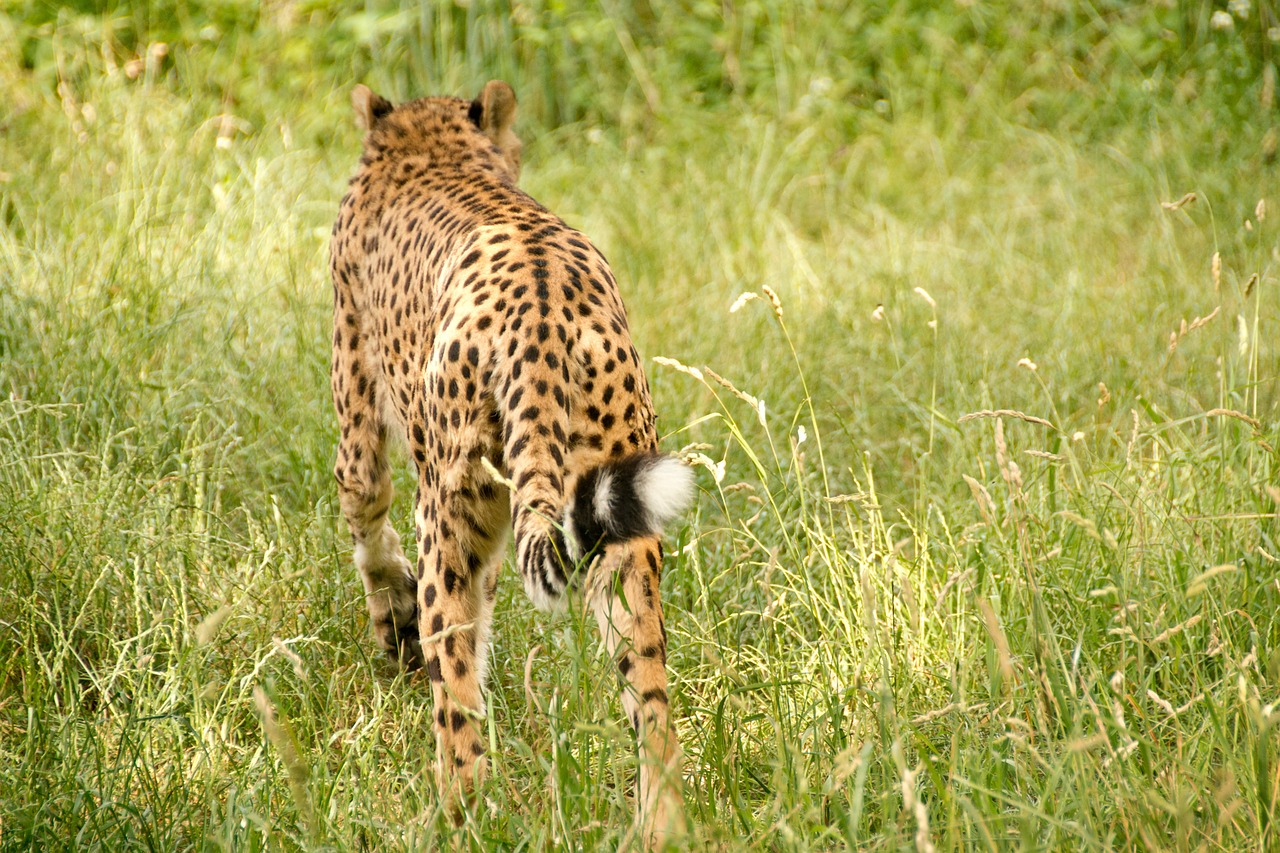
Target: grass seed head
(683,368)
(773,299)
(208,627)
(292,656)
(1003,413)
(705,461)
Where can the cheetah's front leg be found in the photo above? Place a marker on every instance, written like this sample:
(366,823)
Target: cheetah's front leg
(365,491)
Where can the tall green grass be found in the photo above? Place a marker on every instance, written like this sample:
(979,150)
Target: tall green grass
(897,618)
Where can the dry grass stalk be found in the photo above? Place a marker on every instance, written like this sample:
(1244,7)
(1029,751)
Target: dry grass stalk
(751,400)
(937,713)
(1215,268)
(924,843)
(1179,628)
(1240,416)
(1080,521)
(292,656)
(1186,328)
(773,300)
(705,461)
(1187,199)
(981,497)
(1008,468)
(1133,437)
(998,639)
(208,627)
(1085,744)
(280,733)
(868,604)
(1201,581)
(957,579)
(496,474)
(913,611)
(447,632)
(1004,413)
(846,763)
(530,698)
(1165,704)
(675,365)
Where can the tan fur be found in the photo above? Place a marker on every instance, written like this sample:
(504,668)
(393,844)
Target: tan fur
(476,322)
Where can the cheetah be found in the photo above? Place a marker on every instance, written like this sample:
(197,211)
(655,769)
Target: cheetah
(486,334)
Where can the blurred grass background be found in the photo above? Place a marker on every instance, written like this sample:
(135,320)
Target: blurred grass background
(892,627)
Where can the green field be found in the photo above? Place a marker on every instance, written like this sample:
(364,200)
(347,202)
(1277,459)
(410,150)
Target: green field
(898,618)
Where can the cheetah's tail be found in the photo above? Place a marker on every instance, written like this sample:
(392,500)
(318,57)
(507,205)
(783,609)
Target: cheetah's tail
(635,496)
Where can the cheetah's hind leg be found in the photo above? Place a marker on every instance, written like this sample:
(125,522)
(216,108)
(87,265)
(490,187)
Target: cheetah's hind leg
(622,589)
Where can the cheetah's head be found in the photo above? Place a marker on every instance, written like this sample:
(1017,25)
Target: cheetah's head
(444,126)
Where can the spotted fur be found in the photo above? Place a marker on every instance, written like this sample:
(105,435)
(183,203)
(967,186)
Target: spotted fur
(476,323)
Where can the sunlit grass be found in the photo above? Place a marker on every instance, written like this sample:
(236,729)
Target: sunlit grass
(985,552)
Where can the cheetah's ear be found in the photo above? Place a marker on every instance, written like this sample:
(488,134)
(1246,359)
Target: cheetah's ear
(369,107)
(495,110)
